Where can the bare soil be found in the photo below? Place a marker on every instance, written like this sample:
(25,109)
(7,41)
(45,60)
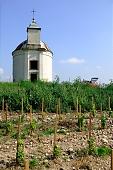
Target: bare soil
(73,144)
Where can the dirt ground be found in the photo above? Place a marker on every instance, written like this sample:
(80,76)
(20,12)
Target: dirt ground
(73,144)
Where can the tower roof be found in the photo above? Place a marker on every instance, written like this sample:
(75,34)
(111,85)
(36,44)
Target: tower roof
(33,25)
(25,46)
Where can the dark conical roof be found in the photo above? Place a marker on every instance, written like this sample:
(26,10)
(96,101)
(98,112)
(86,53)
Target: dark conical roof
(40,47)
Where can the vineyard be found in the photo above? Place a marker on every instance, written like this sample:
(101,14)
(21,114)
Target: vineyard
(33,93)
(56,126)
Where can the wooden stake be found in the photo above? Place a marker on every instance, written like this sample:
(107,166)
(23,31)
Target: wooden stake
(77,106)
(26,164)
(3,107)
(80,109)
(59,108)
(18,137)
(55,127)
(90,126)
(19,127)
(31,111)
(42,105)
(112,159)
(101,107)
(31,118)
(6,113)
(101,113)
(16,166)
(92,101)
(22,107)
(42,108)
(109,100)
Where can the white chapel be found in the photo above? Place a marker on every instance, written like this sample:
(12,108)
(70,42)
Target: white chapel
(32,59)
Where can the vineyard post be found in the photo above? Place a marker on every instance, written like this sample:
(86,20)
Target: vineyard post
(22,107)
(42,108)
(20,156)
(43,114)
(92,101)
(80,116)
(112,159)
(3,107)
(59,108)
(6,117)
(18,137)
(80,109)
(55,131)
(90,125)
(109,100)
(101,112)
(42,105)
(31,111)
(77,106)
(101,108)
(26,164)
(55,127)
(6,113)
(19,129)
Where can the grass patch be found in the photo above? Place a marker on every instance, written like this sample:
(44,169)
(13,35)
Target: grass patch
(48,132)
(33,163)
(103,151)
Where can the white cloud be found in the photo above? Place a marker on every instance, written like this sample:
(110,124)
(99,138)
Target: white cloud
(1,71)
(73,60)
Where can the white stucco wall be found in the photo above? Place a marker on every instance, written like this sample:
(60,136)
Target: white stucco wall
(19,66)
(33,36)
(45,66)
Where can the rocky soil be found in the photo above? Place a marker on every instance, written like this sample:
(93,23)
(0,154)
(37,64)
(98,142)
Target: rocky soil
(72,143)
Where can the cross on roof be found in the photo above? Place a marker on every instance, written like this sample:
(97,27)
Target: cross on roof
(33,14)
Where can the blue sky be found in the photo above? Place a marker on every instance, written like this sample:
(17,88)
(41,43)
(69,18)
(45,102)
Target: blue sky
(79,32)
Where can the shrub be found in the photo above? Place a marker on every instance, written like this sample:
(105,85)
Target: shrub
(102,151)
(56,151)
(33,125)
(110,113)
(9,127)
(91,149)
(80,122)
(103,121)
(33,163)
(20,152)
